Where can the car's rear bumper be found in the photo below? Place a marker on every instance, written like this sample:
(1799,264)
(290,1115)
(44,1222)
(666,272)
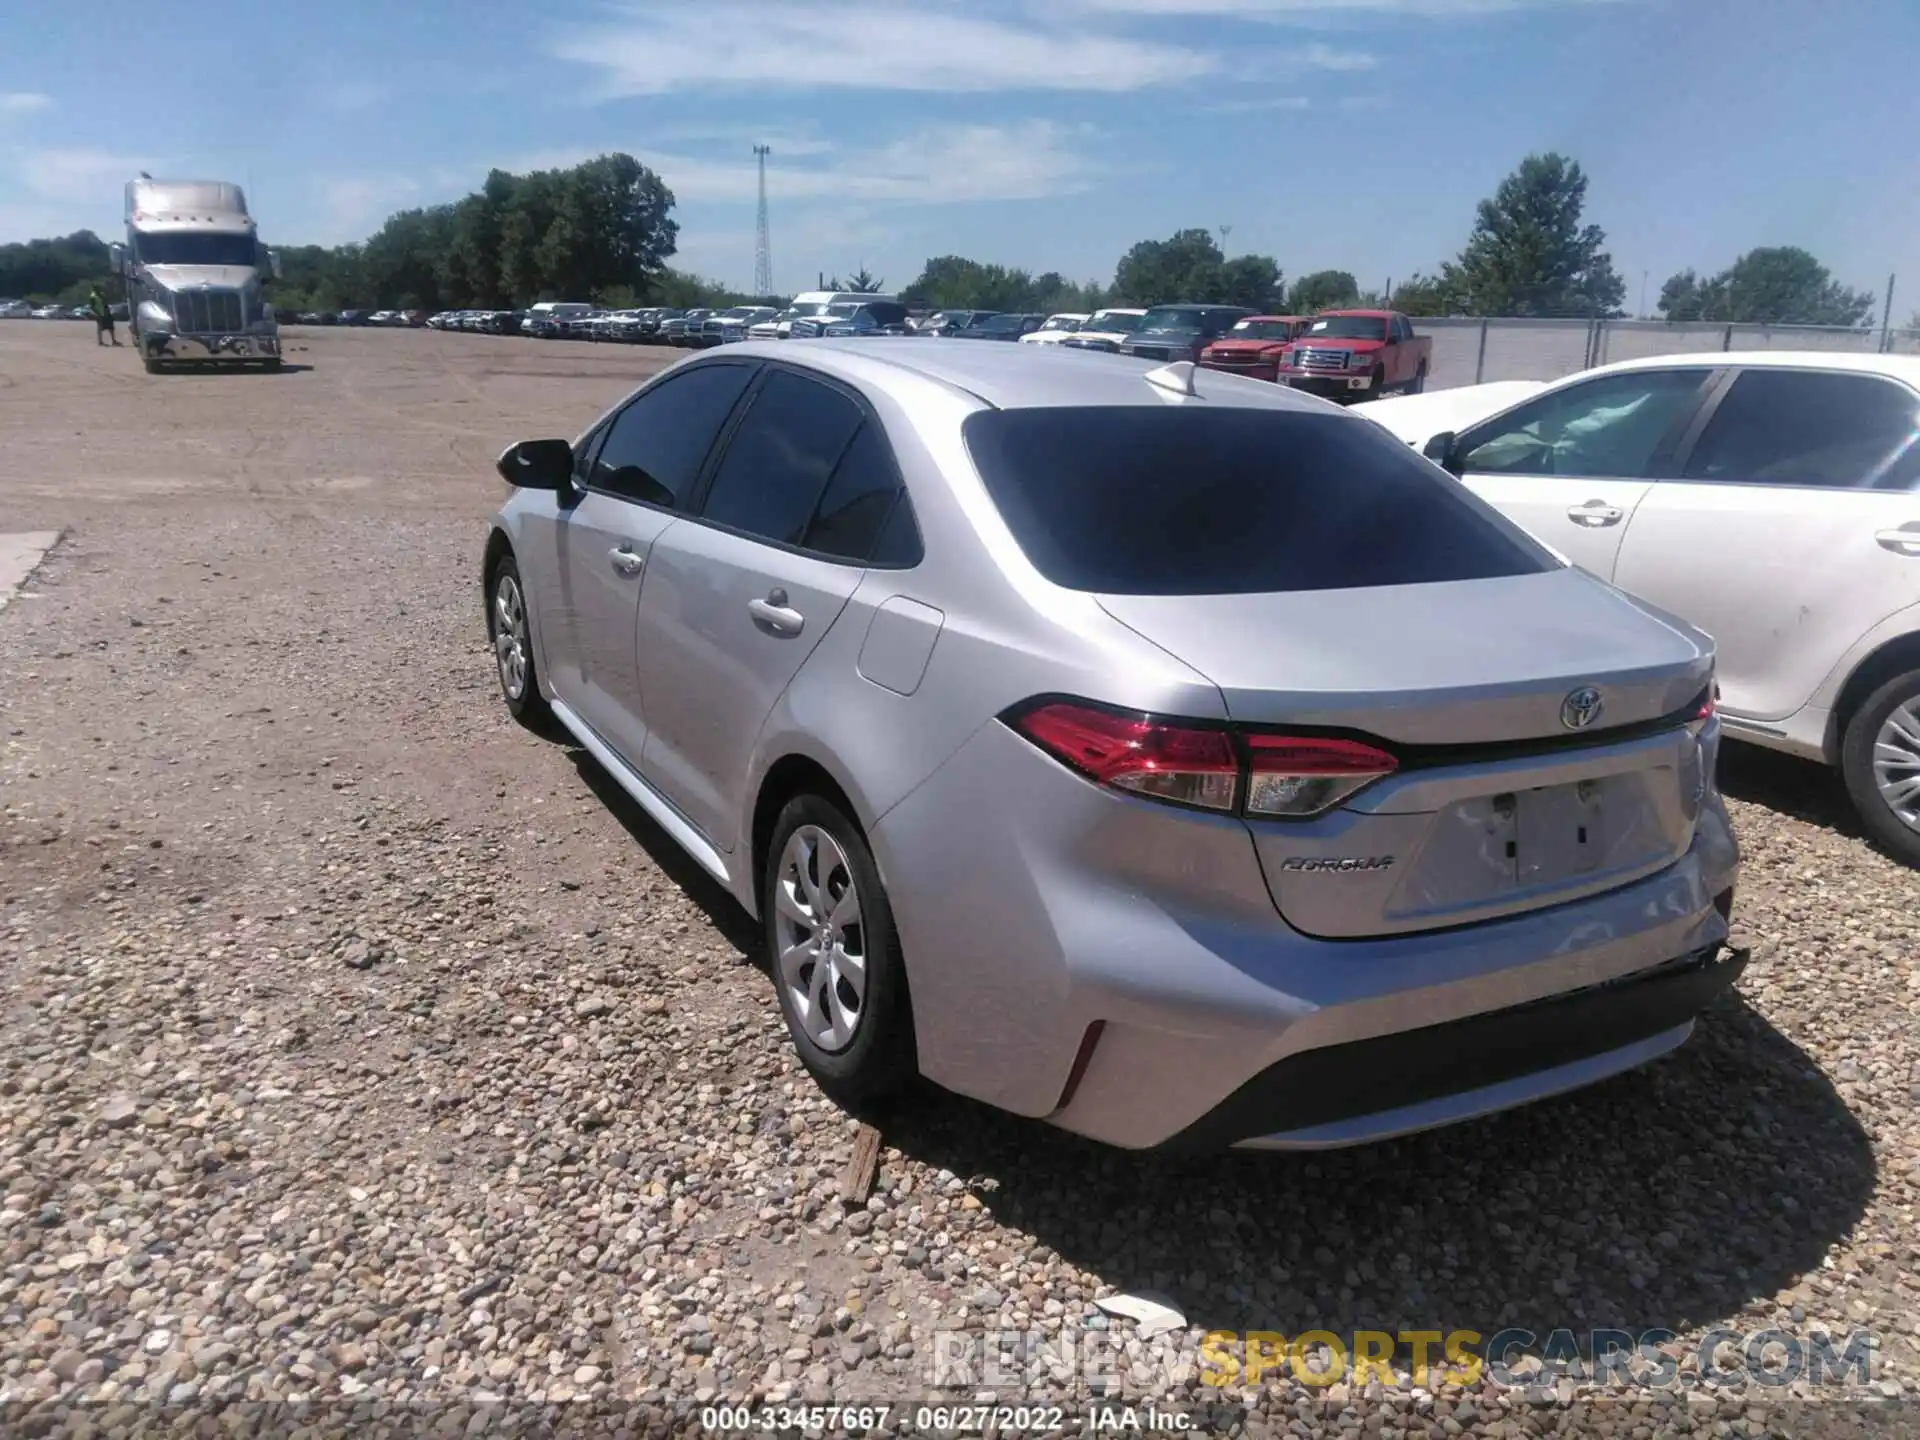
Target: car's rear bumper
(1390,1085)
(1074,955)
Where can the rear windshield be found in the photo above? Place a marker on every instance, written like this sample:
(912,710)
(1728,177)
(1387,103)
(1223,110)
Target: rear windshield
(1347,327)
(1196,500)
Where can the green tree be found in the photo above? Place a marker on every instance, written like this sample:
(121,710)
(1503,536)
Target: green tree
(1421,295)
(861,283)
(1773,285)
(1189,266)
(953,282)
(52,269)
(1529,253)
(1322,290)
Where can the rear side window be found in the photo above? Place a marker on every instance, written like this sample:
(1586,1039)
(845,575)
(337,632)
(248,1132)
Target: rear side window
(655,447)
(779,460)
(1812,428)
(1198,500)
(854,511)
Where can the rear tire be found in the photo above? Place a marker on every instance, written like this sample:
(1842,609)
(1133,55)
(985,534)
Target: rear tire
(150,365)
(1419,382)
(835,956)
(510,629)
(1880,759)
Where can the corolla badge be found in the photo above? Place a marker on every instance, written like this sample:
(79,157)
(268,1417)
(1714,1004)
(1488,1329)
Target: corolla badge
(1581,708)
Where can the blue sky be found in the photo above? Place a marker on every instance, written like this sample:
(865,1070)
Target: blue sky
(1045,133)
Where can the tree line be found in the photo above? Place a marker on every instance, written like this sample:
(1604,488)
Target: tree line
(603,230)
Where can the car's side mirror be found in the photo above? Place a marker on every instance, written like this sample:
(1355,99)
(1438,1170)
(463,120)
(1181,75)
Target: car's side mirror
(117,257)
(537,464)
(273,264)
(1441,449)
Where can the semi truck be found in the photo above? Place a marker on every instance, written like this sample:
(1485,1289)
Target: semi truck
(196,276)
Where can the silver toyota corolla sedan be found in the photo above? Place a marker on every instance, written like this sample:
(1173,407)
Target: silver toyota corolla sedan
(1162,753)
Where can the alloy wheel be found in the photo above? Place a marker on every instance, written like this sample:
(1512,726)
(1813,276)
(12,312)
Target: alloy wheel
(1896,762)
(821,950)
(510,635)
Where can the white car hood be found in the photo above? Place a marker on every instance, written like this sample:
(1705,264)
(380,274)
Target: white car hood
(1416,419)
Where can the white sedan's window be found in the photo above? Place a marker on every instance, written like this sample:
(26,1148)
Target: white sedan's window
(1610,426)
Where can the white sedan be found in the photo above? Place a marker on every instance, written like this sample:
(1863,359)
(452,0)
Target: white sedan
(1771,498)
(1055,329)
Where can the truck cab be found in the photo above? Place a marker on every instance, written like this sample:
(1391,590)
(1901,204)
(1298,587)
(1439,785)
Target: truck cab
(196,276)
(1357,355)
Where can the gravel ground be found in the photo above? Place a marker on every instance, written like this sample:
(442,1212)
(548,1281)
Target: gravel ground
(360,1048)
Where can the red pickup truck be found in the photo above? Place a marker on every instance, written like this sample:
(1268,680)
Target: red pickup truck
(1253,345)
(1356,355)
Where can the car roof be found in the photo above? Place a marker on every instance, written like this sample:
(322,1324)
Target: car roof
(1904,367)
(1013,377)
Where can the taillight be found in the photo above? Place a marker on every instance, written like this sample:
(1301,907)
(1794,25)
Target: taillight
(1165,761)
(1294,776)
(1286,777)
(1709,705)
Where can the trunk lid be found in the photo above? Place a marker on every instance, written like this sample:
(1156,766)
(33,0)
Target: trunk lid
(1499,805)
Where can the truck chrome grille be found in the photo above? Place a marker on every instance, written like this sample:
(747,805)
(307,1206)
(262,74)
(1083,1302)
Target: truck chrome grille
(207,312)
(1310,358)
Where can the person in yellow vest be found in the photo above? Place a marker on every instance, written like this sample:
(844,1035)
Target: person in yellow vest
(102,317)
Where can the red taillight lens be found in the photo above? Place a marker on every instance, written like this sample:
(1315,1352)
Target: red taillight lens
(1286,777)
(1709,704)
(1138,753)
(1294,776)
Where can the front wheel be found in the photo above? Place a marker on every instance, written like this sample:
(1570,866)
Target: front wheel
(835,956)
(1880,761)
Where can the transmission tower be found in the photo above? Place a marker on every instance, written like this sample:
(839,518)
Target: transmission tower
(762,235)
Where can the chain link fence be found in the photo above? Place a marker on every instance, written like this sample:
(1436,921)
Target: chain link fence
(1471,351)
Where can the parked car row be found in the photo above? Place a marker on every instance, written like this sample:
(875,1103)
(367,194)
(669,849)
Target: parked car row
(27,310)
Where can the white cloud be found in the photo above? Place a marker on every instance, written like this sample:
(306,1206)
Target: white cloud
(1026,160)
(1326,57)
(1283,10)
(1260,106)
(78,176)
(22,102)
(666,45)
(351,95)
(352,207)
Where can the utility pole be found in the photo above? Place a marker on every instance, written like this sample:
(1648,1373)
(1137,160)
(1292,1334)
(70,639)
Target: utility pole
(762,235)
(1643,294)
(1225,231)
(1886,319)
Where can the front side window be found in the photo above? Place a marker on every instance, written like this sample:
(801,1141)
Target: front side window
(1171,317)
(655,448)
(1820,429)
(780,458)
(1612,426)
(1164,500)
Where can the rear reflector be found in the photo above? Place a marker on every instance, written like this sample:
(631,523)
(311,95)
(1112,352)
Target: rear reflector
(1293,776)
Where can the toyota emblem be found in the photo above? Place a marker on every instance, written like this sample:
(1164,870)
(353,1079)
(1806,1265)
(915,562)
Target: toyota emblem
(1581,708)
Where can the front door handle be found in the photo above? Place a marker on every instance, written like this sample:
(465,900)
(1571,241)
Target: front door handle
(1904,541)
(625,561)
(1594,514)
(774,613)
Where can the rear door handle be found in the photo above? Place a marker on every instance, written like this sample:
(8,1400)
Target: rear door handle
(774,613)
(1903,541)
(625,561)
(1595,513)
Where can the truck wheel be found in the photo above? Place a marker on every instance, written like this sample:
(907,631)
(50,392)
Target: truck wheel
(151,365)
(1419,381)
(274,364)
(1880,761)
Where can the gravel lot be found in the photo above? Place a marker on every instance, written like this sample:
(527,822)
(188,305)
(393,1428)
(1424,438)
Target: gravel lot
(357,1045)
